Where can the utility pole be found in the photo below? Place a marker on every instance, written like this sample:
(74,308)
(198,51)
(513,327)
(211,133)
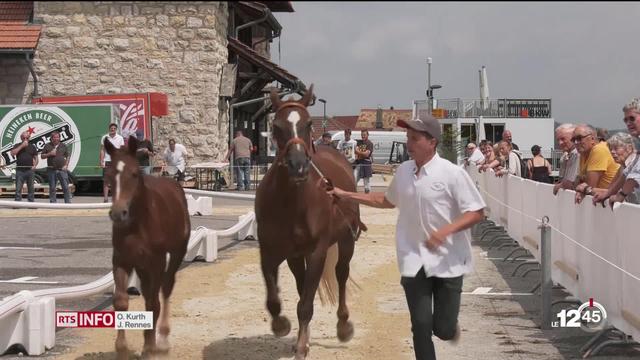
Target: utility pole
(324,116)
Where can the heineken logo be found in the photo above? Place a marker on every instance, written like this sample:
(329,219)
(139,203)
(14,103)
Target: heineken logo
(40,122)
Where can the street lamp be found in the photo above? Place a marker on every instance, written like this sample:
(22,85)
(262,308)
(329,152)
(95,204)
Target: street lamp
(324,116)
(430,87)
(430,94)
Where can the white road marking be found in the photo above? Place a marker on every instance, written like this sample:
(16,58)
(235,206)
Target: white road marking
(19,248)
(27,280)
(486,291)
(481,290)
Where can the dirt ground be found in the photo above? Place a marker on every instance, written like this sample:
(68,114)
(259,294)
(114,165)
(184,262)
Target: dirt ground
(218,310)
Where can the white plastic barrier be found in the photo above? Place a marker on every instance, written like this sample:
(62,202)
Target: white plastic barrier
(514,213)
(27,320)
(200,206)
(626,220)
(28,317)
(594,250)
(46,205)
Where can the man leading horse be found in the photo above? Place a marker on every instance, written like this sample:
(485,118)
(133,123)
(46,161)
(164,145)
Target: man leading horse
(438,202)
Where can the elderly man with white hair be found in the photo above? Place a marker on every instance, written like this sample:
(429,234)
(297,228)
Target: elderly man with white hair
(626,187)
(570,159)
(475,155)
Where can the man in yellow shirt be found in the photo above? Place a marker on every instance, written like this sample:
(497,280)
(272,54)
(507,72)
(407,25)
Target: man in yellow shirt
(597,167)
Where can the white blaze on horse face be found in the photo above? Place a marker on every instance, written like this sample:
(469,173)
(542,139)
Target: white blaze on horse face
(120,168)
(293,118)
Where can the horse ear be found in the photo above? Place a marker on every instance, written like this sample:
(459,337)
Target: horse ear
(133,145)
(108,146)
(308,96)
(275,100)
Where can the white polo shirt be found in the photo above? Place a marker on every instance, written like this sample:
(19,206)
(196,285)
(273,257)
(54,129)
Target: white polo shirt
(476,156)
(440,193)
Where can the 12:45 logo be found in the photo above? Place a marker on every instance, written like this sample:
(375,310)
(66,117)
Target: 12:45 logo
(590,316)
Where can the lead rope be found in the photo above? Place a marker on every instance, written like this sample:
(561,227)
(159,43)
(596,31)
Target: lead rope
(329,185)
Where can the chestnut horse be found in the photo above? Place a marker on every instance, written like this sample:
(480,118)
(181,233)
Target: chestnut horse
(150,220)
(298,222)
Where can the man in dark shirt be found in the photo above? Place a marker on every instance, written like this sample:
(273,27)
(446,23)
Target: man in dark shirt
(57,156)
(145,150)
(364,149)
(27,159)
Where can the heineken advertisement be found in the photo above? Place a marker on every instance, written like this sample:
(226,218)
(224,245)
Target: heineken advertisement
(81,127)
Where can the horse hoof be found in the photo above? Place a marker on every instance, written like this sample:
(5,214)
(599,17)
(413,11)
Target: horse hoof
(162,345)
(301,355)
(280,326)
(345,331)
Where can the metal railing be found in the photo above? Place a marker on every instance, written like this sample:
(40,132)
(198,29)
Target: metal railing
(495,108)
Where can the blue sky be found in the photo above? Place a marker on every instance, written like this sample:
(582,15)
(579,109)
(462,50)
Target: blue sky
(584,56)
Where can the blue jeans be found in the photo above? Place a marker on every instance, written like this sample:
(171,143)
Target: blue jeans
(242,167)
(64,183)
(22,176)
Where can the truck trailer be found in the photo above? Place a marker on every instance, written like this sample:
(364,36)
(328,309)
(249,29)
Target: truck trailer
(81,128)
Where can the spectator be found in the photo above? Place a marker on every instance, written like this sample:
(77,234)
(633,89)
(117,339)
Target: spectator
(506,136)
(622,148)
(326,139)
(602,134)
(144,152)
(597,167)
(570,160)
(434,251)
(57,156)
(26,162)
(348,148)
(364,168)
(625,187)
(539,167)
(241,147)
(474,154)
(512,160)
(491,161)
(175,157)
(105,159)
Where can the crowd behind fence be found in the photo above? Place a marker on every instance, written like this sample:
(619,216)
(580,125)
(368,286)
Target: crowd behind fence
(594,249)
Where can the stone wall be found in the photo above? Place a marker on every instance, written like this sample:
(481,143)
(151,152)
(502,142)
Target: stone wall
(107,47)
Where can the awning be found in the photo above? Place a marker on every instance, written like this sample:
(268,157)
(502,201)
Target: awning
(275,71)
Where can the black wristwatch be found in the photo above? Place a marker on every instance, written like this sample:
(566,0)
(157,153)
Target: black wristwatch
(588,190)
(623,194)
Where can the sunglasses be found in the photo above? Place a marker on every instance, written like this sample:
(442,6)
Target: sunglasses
(629,119)
(577,139)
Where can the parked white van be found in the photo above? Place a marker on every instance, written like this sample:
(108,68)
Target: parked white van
(382,142)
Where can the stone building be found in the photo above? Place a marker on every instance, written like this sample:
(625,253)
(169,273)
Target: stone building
(205,56)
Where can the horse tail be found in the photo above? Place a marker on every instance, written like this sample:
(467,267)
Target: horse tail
(328,289)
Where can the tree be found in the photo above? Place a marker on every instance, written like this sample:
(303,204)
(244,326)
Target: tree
(450,148)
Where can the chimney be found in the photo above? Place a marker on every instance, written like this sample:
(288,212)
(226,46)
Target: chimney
(379,124)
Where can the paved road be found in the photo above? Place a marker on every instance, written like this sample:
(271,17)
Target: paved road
(40,249)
